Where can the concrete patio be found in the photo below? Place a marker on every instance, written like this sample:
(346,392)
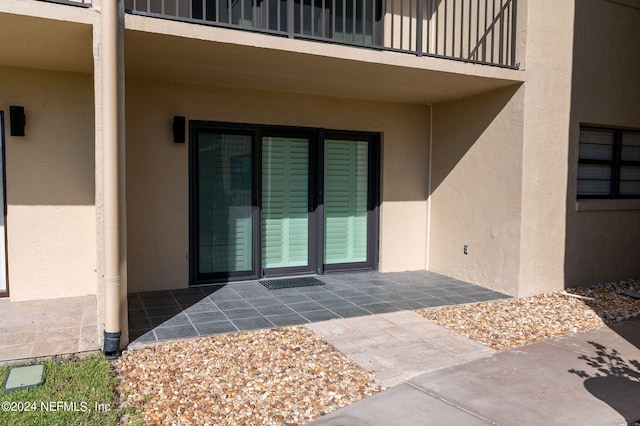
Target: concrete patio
(47,327)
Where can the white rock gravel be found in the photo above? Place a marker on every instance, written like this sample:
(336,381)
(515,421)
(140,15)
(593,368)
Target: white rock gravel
(264,377)
(506,324)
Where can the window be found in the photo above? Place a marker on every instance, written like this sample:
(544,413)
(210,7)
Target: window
(609,163)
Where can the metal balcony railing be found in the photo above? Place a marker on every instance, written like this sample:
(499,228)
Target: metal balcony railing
(82,3)
(478,31)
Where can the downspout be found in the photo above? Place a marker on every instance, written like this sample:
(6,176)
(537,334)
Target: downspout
(111,123)
(429,183)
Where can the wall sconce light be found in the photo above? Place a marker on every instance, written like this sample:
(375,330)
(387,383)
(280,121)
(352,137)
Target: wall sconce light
(178,129)
(17,120)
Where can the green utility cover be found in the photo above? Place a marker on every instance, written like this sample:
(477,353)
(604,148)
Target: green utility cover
(24,377)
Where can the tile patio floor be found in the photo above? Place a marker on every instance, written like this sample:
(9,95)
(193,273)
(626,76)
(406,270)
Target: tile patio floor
(47,327)
(209,310)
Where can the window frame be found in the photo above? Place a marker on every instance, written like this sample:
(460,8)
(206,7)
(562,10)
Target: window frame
(616,163)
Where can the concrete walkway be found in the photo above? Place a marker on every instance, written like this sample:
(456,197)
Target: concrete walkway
(398,346)
(590,378)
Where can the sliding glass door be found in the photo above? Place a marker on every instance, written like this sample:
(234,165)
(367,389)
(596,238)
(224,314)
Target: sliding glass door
(225,212)
(287,213)
(271,201)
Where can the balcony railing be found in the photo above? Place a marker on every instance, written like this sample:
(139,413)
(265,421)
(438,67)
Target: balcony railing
(81,3)
(478,31)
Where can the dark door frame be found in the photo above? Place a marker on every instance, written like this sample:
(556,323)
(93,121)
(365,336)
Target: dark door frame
(4,206)
(316,138)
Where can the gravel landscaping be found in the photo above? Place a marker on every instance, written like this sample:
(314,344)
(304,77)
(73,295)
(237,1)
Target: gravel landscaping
(506,324)
(291,376)
(263,377)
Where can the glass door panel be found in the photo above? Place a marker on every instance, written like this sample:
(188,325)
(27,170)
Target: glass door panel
(285,202)
(225,208)
(346,177)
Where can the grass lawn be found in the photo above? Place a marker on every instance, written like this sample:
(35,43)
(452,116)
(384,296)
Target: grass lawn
(78,392)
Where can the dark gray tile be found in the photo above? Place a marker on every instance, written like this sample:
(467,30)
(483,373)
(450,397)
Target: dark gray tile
(134,302)
(391,297)
(139,323)
(181,331)
(292,298)
(287,319)
(210,289)
(306,306)
(413,294)
(206,317)
(214,327)
(186,301)
(172,321)
(202,306)
(233,314)
(335,303)
(137,313)
(324,295)
(438,292)
(380,308)
(165,310)
(167,302)
(142,336)
(362,300)
(407,305)
(274,310)
(347,293)
(250,290)
(224,296)
(352,311)
(431,302)
(232,304)
(322,315)
(264,301)
(252,323)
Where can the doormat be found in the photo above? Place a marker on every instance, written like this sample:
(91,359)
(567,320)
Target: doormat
(291,283)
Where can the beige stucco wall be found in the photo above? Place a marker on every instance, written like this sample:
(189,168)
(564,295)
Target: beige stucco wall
(50,184)
(476,178)
(547,103)
(157,168)
(603,238)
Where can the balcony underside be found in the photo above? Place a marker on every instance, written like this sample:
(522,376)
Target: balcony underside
(39,42)
(177,51)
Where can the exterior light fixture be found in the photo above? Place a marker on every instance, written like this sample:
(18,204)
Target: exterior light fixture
(17,120)
(178,129)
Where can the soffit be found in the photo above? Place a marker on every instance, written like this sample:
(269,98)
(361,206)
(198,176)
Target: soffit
(33,42)
(232,58)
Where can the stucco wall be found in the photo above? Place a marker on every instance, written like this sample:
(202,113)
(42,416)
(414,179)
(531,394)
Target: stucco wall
(603,238)
(50,184)
(475,201)
(157,169)
(547,103)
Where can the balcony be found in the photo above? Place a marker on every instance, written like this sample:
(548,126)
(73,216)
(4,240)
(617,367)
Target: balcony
(475,31)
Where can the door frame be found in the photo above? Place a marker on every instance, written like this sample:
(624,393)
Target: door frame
(312,136)
(316,138)
(4,206)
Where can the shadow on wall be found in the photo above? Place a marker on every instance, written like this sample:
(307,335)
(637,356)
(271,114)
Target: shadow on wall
(615,381)
(458,125)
